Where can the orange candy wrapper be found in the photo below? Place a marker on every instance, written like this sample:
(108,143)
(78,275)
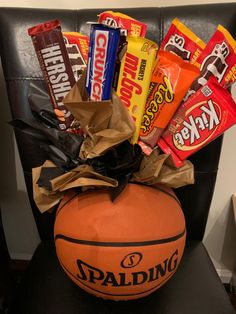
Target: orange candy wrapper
(183,42)
(170,81)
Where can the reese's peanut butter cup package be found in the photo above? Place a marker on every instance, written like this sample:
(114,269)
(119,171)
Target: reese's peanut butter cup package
(135,76)
(218,59)
(170,81)
(183,42)
(198,121)
(77,46)
(129,26)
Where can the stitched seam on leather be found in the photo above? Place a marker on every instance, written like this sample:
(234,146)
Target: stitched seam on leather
(197,172)
(206,172)
(161,26)
(24,78)
(28,173)
(76,20)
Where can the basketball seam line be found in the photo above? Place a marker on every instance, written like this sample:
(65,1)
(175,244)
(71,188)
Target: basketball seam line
(120,244)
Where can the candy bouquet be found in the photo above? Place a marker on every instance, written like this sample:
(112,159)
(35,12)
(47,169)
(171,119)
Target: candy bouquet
(116,108)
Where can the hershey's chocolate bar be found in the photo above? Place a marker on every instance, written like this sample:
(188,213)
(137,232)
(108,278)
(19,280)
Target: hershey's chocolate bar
(55,65)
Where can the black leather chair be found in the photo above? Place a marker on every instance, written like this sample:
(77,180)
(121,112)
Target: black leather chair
(196,287)
(6,279)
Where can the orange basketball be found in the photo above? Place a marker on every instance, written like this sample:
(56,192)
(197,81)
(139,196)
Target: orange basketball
(122,250)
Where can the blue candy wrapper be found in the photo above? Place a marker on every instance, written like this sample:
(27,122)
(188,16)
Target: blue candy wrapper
(103,47)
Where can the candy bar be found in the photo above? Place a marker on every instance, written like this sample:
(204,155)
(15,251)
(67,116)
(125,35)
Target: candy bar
(198,121)
(54,62)
(103,47)
(77,48)
(135,75)
(218,59)
(128,25)
(183,42)
(170,81)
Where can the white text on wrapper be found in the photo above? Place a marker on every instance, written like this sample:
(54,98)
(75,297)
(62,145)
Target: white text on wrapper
(98,67)
(56,75)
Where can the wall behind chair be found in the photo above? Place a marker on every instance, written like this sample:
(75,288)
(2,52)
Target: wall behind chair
(21,233)
(78,4)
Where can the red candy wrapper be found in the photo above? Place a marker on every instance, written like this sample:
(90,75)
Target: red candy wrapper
(198,121)
(55,65)
(77,46)
(218,59)
(183,42)
(128,25)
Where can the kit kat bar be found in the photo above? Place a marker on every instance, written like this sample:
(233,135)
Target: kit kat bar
(198,121)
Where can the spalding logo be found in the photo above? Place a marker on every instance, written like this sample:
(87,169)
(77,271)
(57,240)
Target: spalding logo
(131,260)
(200,123)
(95,276)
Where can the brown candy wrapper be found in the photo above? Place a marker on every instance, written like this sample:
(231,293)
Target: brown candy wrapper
(158,168)
(105,123)
(81,176)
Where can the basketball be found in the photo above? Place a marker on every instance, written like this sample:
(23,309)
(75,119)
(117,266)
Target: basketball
(120,250)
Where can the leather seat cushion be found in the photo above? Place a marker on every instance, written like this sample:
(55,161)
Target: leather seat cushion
(194,289)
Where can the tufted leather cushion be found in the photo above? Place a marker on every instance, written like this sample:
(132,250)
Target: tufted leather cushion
(194,289)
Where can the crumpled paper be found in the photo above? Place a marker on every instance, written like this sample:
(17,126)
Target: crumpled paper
(49,190)
(158,168)
(102,157)
(105,123)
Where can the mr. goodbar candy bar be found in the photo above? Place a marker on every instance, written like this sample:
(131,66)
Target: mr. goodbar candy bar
(135,75)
